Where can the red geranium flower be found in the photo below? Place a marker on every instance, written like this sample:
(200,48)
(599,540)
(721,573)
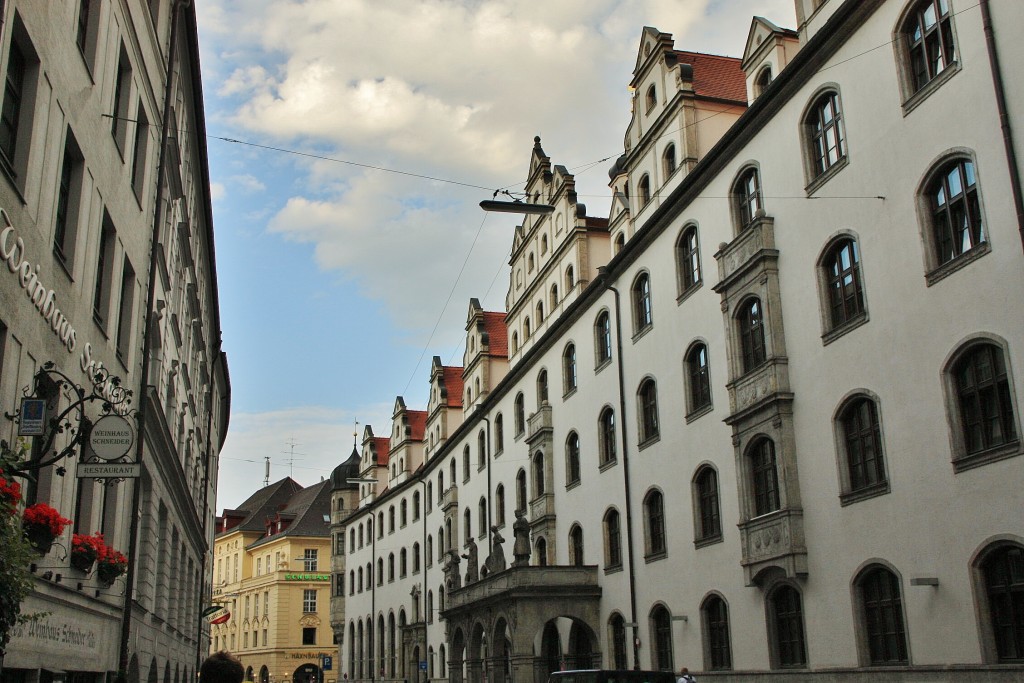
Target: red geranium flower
(89,547)
(42,515)
(10,493)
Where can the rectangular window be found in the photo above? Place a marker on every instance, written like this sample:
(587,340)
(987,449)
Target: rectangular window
(119,112)
(86,29)
(266,607)
(309,636)
(309,559)
(124,320)
(264,637)
(259,566)
(141,147)
(309,600)
(18,103)
(104,273)
(69,194)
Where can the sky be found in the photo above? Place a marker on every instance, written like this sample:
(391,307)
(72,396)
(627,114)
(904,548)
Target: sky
(350,143)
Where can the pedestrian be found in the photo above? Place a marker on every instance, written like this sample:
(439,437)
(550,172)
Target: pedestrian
(685,677)
(221,667)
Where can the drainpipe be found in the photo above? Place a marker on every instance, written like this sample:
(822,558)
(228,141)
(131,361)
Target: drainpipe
(1004,118)
(133,533)
(602,272)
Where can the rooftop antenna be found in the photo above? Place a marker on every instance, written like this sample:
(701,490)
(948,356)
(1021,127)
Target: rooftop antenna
(292,443)
(266,472)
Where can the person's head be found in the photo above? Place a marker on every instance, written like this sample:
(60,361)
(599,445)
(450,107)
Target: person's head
(221,667)
(684,670)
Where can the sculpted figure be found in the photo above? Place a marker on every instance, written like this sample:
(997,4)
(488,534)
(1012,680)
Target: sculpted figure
(472,571)
(521,549)
(496,560)
(452,579)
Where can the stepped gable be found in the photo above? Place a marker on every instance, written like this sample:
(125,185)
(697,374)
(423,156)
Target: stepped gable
(715,76)
(264,503)
(497,333)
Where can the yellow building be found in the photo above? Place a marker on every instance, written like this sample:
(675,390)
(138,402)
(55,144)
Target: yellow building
(272,575)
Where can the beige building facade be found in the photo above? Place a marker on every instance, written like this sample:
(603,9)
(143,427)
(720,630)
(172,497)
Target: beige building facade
(106,228)
(764,419)
(272,576)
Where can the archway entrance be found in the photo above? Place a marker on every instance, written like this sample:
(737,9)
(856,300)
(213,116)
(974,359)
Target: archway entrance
(264,674)
(307,673)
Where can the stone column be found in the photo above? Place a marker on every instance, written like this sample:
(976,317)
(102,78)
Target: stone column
(522,669)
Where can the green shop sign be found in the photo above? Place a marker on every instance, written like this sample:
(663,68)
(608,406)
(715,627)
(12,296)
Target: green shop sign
(307,577)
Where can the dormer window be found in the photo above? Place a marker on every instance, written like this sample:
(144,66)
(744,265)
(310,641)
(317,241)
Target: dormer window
(652,98)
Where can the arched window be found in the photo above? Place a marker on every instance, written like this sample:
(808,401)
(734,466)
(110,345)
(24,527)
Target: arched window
(652,97)
(688,259)
(467,521)
(521,491)
(617,628)
(764,79)
(641,295)
(661,628)
(499,433)
(543,244)
(709,519)
(669,159)
(715,615)
(1003,574)
(515,342)
(647,404)
(643,190)
(453,467)
(603,338)
(540,312)
(985,415)
(576,546)
(928,33)
(826,138)
(698,378)
(612,540)
(428,555)
(465,463)
(520,414)
(430,495)
(481,516)
(352,581)
(499,505)
(955,210)
(542,552)
(538,474)
(654,524)
(881,607)
(554,296)
(787,627)
(529,263)
(570,280)
(572,459)
(481,450)
(606,436)
(844,283)
(542,387)
(764,477)
(391,519)
(380,571)
(403,562)
(620,243)
(391,567)
(403,513)
(862,444)
(747,197)
(440,487)
(751,324)
(569,369)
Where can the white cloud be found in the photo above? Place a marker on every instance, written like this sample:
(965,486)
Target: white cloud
(217,191)
(249,183)
(322,438)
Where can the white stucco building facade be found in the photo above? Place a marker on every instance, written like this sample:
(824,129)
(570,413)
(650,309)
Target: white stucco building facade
(764,419)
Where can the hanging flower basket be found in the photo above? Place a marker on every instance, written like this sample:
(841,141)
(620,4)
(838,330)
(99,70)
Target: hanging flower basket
(85,550)
(42,524)
(112,564)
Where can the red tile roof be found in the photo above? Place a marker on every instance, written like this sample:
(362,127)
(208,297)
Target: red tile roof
(716,76)
(453,383)
(383,445)
(497,333)
(417,423)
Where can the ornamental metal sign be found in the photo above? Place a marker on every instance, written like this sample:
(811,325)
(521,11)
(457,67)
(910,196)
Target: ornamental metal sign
(112,437)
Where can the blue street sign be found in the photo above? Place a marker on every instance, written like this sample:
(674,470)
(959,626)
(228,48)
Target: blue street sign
(328,662)
(423,665)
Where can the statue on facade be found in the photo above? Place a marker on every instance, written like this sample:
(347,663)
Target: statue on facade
(521,548)
(452,580)
(473,568)
(496,560)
